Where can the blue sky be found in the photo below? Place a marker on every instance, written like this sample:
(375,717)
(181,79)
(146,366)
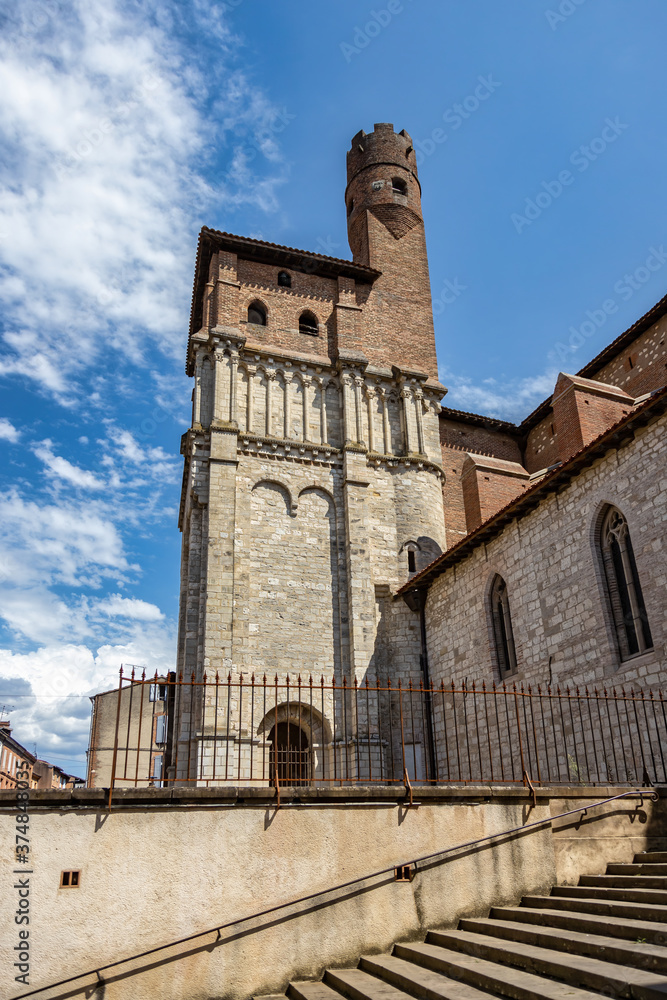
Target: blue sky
(127,125)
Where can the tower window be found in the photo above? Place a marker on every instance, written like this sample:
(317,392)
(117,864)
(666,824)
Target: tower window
(308,324)
(398,185)
(350,207)
(502,628)
(412,561)
(284,279)
(623,587)
(257,314)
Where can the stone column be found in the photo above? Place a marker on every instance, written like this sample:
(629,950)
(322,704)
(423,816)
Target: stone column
(386,426)
(358,407)
(270,379)
(370,399)
(218,397)
(419,400)
(196,409)
(287,406)
(233,375)
(307,384)
(323,410)
(349,418)
(406,396)
(250,415)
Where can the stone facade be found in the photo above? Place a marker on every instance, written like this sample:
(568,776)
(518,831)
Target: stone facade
(324,481)
(313,482)
(549,555)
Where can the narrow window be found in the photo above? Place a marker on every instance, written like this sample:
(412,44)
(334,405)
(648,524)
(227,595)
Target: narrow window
(412,562)
(350,207)
(623,586)
(502,628)
(398,186)
(284,280)
(308,324)
(257,314)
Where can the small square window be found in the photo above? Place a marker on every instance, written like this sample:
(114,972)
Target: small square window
(403,873)
(70,880)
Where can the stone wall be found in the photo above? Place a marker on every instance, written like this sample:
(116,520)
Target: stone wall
(163,865)
(550,561)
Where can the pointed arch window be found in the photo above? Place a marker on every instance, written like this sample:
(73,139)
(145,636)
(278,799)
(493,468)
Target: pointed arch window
(623,587)
(503,635)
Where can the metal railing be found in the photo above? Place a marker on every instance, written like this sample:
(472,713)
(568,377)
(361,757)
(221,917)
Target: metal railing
(250,731)
(391,870)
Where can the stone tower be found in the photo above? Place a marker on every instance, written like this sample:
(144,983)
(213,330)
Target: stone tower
(312,486)
(386,232)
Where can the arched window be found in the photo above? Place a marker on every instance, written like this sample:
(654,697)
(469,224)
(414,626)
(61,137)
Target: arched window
(257,314)
(284,279)
(290,751)
(308,324)
(398,185)
(502,628)
(623,587)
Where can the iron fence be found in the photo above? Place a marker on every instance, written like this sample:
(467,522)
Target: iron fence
(295,731)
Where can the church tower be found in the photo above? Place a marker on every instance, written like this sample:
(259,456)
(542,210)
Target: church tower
(312,487)
(386,232)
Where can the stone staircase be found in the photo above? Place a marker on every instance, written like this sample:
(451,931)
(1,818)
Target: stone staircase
(605,937)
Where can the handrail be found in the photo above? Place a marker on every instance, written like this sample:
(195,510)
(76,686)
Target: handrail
(342,885)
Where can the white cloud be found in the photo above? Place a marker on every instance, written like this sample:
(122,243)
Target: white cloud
(503,398)
(60,468)
(7,431)
(129,607)
(106,125)
(49,688)
(42,544)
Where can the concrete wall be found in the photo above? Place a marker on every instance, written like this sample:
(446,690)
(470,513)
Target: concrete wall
(164,865)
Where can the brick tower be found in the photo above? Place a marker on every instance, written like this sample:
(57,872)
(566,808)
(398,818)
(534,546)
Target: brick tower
(313,480)
(386,232)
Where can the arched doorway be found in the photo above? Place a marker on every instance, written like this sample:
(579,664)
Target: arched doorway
(290,753)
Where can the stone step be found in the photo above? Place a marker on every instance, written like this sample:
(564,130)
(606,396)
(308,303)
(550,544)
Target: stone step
(579,970)
(360,985)
(600,922)
(626,881)
(602,905)
(651,858)
(640,955)
(419,981)
(641,868)
(308,990)
(487,975)
(638,895)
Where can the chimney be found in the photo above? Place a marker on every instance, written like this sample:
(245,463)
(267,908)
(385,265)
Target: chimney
(583,410)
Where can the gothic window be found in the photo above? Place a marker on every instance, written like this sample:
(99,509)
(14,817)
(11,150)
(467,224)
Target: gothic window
(308,324)
(502,628)
(398,186)
(257,314)
(284,279)
(623,586)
